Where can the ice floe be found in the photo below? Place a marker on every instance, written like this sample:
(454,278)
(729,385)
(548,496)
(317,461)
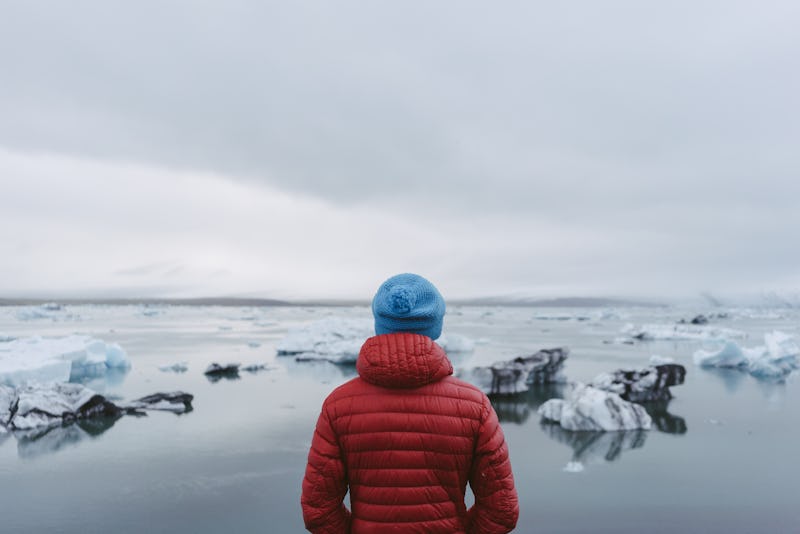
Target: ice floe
(332,338)
(678,332)
(775,359)
(216,372)
(642,385)
(58,359)
(339,340)
(589,408)
(40,405)
(516,375)
(178,367)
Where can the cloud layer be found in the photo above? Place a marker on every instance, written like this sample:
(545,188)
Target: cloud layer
(313,149)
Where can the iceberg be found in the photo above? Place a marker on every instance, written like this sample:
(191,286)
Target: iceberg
(42,405)
(50,310)
(58,359)
(642,385)
(45,418)
(515,376)
(589,408)
(179,367)
(679,332)
(334,339)
(216,372)
(339,340)
(776,359)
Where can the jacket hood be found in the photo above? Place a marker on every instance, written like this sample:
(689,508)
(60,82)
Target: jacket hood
(402,360)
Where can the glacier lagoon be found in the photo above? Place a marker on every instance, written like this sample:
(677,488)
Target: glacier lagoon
(721,456)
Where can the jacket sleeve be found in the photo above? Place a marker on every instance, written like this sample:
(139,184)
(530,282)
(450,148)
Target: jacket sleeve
(325,483)
(496,506)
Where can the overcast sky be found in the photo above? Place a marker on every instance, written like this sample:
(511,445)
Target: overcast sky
(312,149)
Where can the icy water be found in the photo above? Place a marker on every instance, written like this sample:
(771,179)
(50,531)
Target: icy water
(724,458)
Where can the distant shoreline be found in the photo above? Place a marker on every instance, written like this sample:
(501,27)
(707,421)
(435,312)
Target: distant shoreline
(566,302)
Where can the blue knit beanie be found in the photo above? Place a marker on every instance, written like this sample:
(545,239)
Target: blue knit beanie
(408,303)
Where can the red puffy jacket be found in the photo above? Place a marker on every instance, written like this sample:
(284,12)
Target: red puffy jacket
(405,437)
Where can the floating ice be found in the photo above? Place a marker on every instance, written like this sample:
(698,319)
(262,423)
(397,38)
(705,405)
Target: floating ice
(41,405)
(679,332)
(452,343)
(655,359)
(515,376)
(339,340)
(50,311)
(216,372)
(179,367)
(589,408)
(58,359)
(775,360)
(335,339)
(573,467)
(642,385)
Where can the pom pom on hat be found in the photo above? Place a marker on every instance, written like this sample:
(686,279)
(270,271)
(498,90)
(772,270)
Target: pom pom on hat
(408,303)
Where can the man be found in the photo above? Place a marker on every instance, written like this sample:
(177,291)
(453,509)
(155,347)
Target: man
(405,437)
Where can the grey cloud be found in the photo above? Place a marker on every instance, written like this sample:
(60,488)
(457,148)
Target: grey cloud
(510,107)
(670,128)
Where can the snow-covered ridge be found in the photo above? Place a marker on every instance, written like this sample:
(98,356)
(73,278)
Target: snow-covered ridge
(58,359)
(775,359)
(339,340)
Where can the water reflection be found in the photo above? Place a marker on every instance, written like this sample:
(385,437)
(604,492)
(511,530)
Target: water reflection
(595,447)
(587,447)
(42,441)
(663,420)
(517,408)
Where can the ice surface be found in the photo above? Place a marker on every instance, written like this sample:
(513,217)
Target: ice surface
(36,406)
(516,375)
(655,359)
(679,332)
(179,367)
(778,357)
(333,338)
(50,311)
(642,385)
(339,340)
(589,408)
(58,359)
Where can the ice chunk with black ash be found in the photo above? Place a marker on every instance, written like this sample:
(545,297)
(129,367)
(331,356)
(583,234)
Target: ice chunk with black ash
(588,408)
(516,375)
(642,385)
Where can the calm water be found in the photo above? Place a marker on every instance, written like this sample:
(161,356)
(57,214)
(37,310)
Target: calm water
(724,458)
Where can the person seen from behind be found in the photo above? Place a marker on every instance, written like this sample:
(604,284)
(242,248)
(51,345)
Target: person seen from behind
(405,437)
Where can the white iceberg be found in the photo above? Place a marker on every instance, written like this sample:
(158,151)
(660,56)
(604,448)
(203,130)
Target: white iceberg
(588,408)
(50,310)
(339,340)
(680,332)
(776,359)
(58,359)
(452,343)
(179,367)
(332,338)
(38,405)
